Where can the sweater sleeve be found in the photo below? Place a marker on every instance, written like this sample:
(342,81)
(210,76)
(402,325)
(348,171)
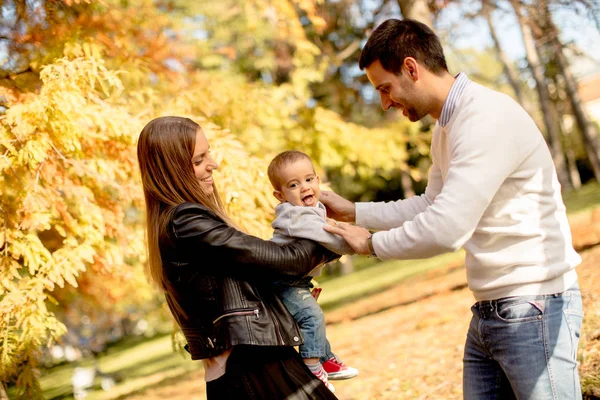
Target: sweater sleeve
(388,215)
(485,148)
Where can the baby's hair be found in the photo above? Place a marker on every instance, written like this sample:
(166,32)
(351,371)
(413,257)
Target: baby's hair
(281,160)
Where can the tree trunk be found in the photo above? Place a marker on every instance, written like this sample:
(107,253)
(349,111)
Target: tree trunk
(417,10)
(537,70)
(594,12)
(571,159)
(346,265)
(486,10)
(407,184)
(573,171)
(587,130)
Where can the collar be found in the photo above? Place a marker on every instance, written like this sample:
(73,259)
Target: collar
(459,85)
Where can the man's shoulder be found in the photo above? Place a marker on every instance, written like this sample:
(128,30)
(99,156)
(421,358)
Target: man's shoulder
(486,104)
(478,95)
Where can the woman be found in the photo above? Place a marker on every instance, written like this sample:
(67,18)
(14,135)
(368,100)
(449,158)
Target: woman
(216,278)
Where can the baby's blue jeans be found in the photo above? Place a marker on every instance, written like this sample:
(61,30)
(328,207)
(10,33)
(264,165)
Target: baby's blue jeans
(297,297)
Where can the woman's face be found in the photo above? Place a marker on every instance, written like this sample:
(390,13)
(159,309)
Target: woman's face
(203,162)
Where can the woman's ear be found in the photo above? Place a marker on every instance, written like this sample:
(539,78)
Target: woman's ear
(278,195)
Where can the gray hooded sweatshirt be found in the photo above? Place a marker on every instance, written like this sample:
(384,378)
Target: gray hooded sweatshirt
(306,222)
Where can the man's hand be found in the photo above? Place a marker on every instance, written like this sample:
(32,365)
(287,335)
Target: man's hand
(355,236)
(338,208)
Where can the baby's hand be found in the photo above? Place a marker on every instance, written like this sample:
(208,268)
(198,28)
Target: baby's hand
(331,221)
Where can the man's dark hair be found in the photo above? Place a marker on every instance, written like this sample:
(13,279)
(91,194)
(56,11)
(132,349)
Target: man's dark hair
(394,40)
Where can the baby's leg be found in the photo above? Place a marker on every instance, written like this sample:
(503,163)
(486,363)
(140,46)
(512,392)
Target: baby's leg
(309,316)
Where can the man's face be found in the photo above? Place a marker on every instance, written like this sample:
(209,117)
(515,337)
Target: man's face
(397,91)
(299,184)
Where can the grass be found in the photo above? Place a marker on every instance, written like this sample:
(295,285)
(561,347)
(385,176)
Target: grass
(137,365)
(141,365)
(347,288)
(584,199)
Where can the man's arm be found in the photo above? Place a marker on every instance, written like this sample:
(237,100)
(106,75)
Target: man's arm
(389,215)
(383,215)
(481,159)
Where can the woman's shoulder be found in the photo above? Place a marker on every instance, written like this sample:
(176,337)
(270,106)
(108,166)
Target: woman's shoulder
(186,211)
(188,207)
(191,218)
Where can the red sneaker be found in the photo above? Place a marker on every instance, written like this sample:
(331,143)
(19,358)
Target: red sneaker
(337,370)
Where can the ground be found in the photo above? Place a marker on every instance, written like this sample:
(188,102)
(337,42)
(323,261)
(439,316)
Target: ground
(408,341)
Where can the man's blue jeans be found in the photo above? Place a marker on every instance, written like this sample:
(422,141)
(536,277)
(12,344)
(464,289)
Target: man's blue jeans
(297,297)
(524,348)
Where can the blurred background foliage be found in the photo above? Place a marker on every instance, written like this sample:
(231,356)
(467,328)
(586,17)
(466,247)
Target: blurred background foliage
(80,78)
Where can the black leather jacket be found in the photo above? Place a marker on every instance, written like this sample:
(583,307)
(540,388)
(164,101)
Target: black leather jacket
(220,279)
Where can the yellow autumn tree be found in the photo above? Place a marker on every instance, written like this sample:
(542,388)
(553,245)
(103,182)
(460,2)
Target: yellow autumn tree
(72,201)
(67,173)
(71,206)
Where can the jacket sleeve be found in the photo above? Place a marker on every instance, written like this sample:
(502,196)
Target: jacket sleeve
(198,230)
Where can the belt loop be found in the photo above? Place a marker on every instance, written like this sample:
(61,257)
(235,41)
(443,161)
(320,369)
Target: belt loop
(483,312)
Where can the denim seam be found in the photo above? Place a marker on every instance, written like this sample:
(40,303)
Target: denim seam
(498,381)
(573,348)
(546,340)
(566,313)
(482,340)
(569,324)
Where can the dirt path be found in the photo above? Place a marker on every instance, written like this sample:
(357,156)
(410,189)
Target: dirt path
(408,342)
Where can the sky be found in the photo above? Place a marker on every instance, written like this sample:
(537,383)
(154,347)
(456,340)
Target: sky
(574,27)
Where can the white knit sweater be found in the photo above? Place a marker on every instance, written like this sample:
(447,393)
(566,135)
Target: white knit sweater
(493,190)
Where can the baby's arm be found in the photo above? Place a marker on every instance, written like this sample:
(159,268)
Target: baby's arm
(307,223)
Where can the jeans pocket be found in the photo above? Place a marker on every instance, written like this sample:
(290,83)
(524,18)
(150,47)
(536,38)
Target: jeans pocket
(521,310)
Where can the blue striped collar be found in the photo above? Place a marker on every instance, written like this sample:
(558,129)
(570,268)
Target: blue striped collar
(459,85)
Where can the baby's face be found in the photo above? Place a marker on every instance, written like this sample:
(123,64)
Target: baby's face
(299,184)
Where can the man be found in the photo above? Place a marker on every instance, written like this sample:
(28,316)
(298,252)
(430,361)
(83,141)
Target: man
(493,190)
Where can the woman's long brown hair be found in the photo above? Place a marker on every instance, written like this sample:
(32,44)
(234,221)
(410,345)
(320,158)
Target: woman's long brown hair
(165,149)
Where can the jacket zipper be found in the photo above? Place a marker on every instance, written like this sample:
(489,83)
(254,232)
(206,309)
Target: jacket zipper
(237,312)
